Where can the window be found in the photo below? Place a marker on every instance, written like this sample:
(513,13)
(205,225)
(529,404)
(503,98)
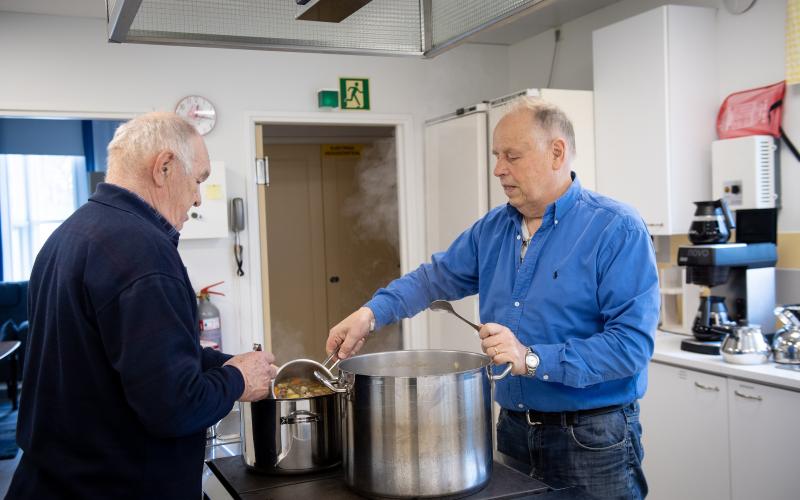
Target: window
(37,193)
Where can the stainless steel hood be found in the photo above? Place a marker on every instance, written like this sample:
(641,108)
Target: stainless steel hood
(386,27)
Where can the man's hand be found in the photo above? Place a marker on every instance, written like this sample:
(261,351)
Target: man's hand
(351,333)
(258,371)
(500,344)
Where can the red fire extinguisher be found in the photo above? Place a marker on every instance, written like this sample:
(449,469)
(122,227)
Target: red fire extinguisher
(210,323)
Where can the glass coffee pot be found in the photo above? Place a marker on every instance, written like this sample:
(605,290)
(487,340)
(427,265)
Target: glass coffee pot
(712,222)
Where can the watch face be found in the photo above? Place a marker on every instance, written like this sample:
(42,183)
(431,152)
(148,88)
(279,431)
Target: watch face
(198,111)
(531,360)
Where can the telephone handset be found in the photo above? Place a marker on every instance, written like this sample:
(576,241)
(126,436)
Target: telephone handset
(237,225)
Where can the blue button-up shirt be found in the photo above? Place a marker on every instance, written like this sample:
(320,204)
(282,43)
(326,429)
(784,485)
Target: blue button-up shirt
(585,298)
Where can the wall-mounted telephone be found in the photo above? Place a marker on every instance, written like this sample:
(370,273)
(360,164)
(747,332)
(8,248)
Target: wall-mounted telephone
(237,225)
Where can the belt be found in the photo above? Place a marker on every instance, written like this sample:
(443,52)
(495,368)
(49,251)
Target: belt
(534,417)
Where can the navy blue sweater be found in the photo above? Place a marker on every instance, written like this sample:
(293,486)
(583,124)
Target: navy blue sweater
(117,392)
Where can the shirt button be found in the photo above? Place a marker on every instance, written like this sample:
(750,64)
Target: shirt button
(546,377)
(516,304)
(519,237)
(555,221)
(520,405)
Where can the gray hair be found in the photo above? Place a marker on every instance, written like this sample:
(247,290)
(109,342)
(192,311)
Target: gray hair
(147,135)
(549,118)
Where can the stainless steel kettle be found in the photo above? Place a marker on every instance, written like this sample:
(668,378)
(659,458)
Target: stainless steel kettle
(786,344)
(745,345)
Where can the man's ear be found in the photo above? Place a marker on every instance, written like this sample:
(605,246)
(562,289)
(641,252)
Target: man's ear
(162,166)
(559,151)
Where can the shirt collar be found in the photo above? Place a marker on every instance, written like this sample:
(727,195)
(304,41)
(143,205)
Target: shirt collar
(124,199)
(556,210)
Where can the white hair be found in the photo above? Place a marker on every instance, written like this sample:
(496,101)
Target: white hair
(147,135)
(549,118)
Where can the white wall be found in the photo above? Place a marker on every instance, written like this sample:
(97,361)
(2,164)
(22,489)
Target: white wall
(63,64)
(750,49)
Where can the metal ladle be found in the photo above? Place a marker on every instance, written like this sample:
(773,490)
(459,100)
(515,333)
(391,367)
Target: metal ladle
(443,305)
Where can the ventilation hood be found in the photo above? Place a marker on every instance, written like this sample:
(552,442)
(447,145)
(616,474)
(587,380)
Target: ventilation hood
(385,27)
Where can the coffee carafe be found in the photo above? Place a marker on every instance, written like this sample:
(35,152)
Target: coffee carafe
(712,222)
(711,319)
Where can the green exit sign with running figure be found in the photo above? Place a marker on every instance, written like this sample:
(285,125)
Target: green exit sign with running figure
(354,93)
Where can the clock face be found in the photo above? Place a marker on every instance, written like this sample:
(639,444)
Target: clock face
(198,111)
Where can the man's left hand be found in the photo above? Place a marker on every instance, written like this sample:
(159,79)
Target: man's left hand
(500,344)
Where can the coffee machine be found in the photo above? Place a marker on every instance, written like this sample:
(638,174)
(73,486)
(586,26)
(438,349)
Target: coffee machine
(737,279)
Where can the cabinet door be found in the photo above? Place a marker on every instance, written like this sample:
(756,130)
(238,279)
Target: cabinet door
(631,105)
(456,196)
(764,441)
(685,434)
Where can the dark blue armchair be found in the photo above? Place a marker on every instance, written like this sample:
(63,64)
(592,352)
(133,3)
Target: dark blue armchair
(13,326)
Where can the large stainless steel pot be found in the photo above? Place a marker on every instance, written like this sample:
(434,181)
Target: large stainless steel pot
(416,423)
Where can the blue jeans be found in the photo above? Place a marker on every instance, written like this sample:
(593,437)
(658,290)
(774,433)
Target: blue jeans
(601,454)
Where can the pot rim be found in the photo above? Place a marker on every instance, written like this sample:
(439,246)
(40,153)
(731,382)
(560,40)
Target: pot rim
(486,361)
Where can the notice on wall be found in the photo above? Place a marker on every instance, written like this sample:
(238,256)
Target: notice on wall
(351,150)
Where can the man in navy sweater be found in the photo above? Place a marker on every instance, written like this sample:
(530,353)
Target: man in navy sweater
(117,392)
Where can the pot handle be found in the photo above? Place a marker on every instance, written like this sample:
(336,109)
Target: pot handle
(300,417)
(502,374)
(328,383)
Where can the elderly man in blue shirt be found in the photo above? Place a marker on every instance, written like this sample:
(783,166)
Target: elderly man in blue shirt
(568,293)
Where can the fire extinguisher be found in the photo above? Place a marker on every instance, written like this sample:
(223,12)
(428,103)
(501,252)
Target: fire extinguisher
(210,324)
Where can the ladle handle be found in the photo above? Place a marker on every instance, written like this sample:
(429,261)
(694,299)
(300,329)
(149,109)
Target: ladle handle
(329,358)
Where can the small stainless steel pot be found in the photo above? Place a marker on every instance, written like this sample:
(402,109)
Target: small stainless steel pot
(416,423)
(290,436)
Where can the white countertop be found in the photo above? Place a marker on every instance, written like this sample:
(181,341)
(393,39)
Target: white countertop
(668,350)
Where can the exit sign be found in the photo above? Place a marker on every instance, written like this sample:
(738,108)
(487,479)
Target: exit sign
(354,93)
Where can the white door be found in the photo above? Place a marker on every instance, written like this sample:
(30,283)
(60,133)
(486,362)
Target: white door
(764,441)
(456,196)
(684,417)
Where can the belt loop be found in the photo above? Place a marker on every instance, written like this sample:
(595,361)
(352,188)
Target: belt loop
(563,420)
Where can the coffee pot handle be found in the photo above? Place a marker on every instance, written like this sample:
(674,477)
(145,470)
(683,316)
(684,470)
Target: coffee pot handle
(726,212)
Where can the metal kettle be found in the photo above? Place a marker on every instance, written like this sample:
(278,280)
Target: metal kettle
(712,222)
(745,345)
(786,344)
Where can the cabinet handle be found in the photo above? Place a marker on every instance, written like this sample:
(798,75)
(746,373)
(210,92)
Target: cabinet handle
(747,396)
(706,387)
(655,224)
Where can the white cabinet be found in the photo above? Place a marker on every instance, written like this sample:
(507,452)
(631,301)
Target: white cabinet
(764,441)
(712,437)
(684,417)
(655,104)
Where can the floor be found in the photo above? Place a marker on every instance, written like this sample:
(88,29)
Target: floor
(7,468)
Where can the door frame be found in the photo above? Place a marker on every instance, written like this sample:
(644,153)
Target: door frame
(410,194)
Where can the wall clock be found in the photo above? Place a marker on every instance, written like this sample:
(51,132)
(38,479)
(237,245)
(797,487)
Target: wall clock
(198,111)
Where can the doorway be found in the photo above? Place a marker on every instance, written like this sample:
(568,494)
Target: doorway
(329,224)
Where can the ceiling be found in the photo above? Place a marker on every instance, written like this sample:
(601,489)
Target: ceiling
(543,16)
(72,8)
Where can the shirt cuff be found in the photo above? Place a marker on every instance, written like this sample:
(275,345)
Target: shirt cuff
(383,316)
(550,369)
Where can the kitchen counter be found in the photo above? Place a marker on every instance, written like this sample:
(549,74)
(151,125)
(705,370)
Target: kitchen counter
(668,350)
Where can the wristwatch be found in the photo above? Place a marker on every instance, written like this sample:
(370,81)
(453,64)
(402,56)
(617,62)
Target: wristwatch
(531,362)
